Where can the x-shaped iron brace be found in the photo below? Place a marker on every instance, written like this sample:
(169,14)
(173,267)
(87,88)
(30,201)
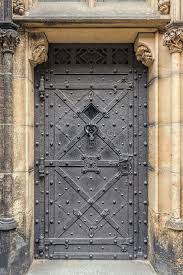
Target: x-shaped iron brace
(90,202)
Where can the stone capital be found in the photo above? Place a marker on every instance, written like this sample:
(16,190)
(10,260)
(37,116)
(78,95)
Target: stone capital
(38,48)
(173,39)
(9,39)
(164,6)
(18,7)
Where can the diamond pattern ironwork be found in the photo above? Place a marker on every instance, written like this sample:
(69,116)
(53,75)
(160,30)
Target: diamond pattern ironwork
(91,111)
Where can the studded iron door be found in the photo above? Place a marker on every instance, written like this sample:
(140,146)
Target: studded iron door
(91,154)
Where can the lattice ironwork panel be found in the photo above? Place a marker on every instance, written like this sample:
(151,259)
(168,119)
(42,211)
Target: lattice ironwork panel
(91,154)
(85,55)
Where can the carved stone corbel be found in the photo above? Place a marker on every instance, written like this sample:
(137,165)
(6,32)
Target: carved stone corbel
(38,48)
(18,7)
(144,55)
(173,39)
(164,6)
(144,48)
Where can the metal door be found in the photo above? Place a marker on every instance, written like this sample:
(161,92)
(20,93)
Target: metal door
(91,154)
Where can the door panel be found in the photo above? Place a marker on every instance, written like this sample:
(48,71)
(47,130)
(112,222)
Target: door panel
(91,154)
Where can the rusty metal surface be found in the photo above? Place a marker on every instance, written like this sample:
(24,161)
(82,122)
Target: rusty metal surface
(91,154)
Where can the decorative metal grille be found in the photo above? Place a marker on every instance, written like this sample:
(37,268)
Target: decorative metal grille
(91,55)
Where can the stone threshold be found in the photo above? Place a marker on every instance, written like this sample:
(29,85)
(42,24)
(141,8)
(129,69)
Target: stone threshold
(91,267)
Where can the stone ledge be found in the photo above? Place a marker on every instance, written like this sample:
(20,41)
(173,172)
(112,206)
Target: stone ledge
(125,14)
(175,224)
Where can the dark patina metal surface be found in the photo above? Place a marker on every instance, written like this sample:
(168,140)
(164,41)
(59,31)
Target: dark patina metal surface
(91,154)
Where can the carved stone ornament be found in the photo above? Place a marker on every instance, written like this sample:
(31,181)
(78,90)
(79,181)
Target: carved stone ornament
(164,6)
(39,48)
(144,55)
(9,39)
(173,39)
(18,7)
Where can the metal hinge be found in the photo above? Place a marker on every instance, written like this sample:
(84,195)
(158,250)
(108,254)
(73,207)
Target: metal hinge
(41,167)
(41,88)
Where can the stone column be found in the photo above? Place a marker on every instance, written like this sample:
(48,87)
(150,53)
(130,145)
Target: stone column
(8,42)
(173,39)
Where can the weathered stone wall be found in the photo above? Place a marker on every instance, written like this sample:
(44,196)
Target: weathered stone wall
(23,155)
